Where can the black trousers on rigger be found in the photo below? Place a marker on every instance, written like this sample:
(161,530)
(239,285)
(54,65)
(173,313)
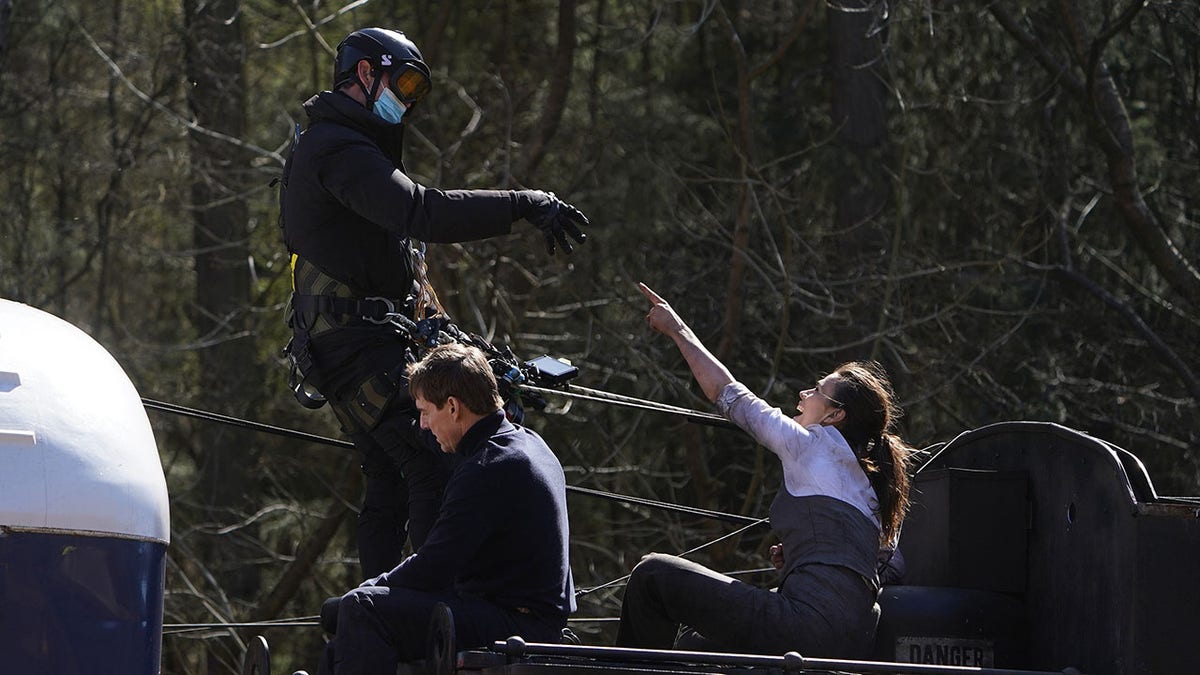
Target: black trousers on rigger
(405,471)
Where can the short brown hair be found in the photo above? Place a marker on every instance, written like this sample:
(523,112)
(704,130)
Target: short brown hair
(459,371)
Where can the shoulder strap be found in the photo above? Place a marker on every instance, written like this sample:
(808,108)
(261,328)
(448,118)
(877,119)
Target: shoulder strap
(282,179)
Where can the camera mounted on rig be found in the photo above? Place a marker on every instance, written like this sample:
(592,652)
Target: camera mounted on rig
(511,373)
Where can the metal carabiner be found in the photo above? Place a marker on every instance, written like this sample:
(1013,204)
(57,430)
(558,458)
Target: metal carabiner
(387,317)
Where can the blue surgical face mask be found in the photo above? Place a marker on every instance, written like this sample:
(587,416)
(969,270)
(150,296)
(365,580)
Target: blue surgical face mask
(389,107)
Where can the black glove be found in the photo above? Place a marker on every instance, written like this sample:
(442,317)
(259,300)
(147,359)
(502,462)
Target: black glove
(554,217)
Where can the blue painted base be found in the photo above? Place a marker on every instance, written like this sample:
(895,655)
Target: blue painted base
(72,604)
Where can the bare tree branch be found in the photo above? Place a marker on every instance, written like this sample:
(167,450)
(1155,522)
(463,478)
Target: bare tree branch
(560,85)
(311,26)
(1113,133)
(1111,130)
(1057,69)
(741,235)
(300,569)
(798,27)
(5,15)
(171,114)
(1180,366)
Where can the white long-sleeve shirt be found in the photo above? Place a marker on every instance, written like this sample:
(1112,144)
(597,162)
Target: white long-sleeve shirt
(816,459)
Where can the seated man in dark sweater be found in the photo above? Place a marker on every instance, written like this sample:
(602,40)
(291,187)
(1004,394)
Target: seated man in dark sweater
(497,553)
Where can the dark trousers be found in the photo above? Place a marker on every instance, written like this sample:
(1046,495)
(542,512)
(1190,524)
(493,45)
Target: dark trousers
(819,610)
(405,474)
(360,370)
(380,627)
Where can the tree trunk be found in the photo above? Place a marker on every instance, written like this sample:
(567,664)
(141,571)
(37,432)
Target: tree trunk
(215,57)
(556,98)
(858,98)
(858,108)
(5,15)
(1111,131)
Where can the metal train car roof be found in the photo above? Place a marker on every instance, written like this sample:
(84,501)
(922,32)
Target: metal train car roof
(1031,548)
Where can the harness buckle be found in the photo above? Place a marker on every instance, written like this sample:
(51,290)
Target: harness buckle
(387,317)
(299,363)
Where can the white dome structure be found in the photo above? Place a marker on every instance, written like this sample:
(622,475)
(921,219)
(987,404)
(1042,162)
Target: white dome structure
(84,519)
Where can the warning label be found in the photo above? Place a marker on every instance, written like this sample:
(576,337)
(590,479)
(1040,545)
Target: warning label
(945,651)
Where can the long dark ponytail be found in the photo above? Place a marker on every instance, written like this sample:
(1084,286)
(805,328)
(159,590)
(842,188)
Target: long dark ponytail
(865,393)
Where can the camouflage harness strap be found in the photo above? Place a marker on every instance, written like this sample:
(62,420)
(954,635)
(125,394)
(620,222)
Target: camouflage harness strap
(328,303)
(321,304)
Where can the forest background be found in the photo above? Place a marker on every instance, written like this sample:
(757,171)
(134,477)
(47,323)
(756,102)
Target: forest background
(996,200)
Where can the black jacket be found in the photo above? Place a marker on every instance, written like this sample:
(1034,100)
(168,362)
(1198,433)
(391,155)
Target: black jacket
(348,207)
(502,533)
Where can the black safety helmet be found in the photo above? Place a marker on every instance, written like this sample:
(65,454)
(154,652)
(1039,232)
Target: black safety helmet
(386,50)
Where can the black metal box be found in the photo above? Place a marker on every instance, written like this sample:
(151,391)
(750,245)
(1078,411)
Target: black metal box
(968,529)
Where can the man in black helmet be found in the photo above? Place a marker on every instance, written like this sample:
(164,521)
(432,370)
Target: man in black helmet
(356,226)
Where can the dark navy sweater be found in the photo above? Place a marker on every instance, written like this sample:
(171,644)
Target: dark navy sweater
(502,532)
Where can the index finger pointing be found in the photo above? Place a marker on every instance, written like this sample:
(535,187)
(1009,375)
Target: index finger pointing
(650,294)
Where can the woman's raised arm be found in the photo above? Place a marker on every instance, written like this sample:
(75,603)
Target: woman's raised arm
(711,374)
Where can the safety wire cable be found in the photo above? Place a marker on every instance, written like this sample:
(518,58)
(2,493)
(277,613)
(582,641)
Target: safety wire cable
(582,392)
(615,582)
(293,622)
(586,394)
(572,392)
(242,423)
(325,440)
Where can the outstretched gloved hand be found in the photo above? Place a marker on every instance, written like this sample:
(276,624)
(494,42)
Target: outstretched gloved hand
(554,217)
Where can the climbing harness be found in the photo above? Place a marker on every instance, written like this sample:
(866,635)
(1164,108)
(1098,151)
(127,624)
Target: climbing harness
(520,383)
(321,304)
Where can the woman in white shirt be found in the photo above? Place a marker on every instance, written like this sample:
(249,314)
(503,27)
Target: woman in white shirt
(844,495)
